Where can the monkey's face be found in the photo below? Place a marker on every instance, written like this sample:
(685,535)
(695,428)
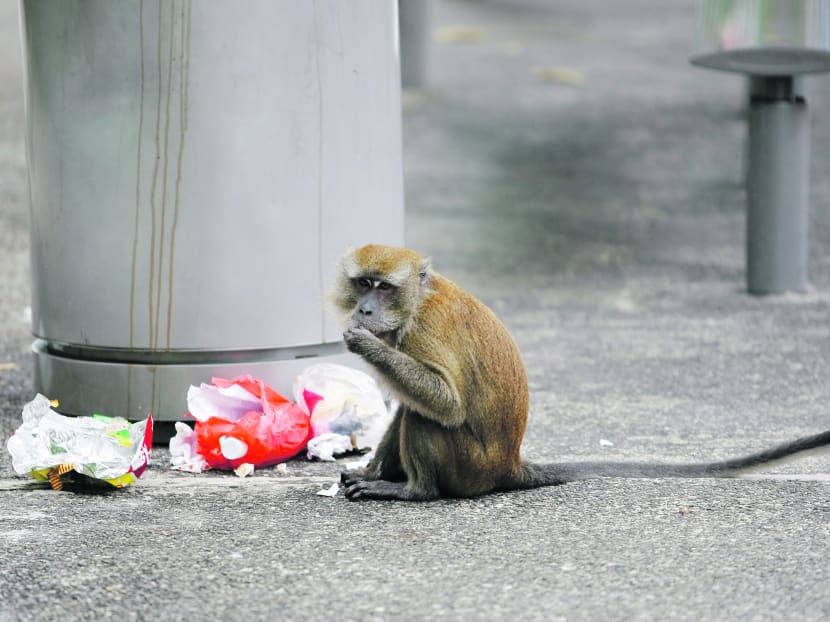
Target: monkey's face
(381,288)
(377,307)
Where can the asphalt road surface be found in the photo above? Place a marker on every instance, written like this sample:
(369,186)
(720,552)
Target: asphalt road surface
(567,165)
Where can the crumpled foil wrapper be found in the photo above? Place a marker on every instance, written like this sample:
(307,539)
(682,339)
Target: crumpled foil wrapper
(49,446)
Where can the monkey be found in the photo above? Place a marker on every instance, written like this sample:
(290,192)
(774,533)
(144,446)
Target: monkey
(462,389)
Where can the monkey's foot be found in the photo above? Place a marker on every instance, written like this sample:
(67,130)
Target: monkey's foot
(381,489)
(353,477)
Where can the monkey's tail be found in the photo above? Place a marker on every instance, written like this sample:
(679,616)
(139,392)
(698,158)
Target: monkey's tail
(535,475)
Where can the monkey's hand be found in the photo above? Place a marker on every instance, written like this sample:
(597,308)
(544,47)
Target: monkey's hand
(362,341)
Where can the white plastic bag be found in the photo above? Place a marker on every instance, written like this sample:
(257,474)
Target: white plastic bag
(342,401)
(184,450)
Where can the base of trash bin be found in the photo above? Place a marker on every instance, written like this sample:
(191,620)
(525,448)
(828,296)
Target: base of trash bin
(97,383)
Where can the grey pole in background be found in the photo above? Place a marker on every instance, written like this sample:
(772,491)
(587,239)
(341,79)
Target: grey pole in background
(774,43)
(777,188)
(196,169)
(416,41)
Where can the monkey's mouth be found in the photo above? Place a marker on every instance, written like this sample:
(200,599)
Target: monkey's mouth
(378,329)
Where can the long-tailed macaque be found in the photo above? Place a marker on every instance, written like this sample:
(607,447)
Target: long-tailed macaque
(462,389)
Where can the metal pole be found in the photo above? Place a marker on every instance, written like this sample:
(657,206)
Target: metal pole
(415,18)
(778,181)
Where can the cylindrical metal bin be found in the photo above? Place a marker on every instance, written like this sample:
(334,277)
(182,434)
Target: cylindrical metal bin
(763,37)
(195,171)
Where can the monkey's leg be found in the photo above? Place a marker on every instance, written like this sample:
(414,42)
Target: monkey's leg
(387,461)
(423,451)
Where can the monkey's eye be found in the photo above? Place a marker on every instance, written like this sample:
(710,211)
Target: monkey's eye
(383,285)
(363,283)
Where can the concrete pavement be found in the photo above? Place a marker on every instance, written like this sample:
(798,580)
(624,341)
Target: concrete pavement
(569,166)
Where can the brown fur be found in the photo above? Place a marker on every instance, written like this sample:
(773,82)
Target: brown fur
(458,336)
(471,446)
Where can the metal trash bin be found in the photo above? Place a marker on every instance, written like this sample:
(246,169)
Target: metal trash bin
(774,42)
(195,171)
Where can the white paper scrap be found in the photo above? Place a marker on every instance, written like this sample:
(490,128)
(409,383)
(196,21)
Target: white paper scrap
(244,469)
(330,491)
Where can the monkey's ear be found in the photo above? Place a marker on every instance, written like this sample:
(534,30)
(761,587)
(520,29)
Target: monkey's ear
(425,271)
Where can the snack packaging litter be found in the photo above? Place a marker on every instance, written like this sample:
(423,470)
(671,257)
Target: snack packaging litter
(86,450)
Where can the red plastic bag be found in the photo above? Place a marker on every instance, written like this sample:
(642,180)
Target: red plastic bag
(271,430)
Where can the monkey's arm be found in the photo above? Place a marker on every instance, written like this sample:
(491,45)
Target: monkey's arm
(424,389)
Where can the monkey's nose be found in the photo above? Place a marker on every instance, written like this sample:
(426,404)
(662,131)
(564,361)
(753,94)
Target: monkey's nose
(366,312)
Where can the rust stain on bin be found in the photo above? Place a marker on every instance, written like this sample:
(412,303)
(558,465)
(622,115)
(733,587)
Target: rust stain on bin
(154,185)
(137,171)
(184,75)
(166,151)
(161,223)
